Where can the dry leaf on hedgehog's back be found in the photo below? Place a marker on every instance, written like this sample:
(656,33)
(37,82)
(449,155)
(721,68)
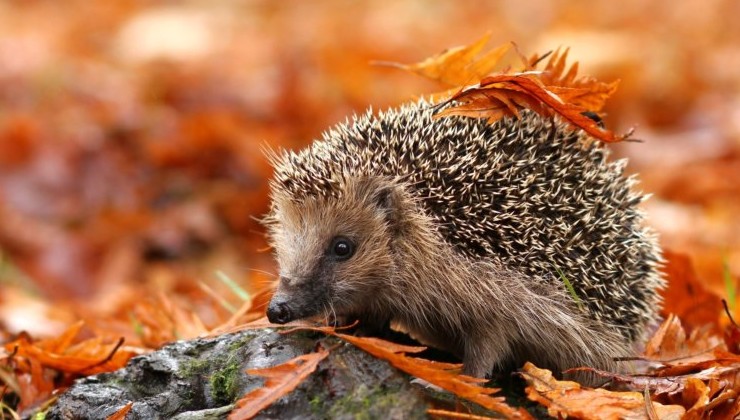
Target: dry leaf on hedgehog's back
(585,92)
(483,93)
(458,66)
(539,98)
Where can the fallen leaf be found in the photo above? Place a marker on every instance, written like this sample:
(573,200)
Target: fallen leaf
(456,415)
(280,380)
(443,375)
(121,414)
(670,345)
(686,296)
(696,396)
(570,399)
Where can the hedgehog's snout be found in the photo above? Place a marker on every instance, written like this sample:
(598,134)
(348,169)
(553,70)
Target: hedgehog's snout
(279,312)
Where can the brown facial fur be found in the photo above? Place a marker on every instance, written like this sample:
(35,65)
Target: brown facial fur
(403,271)
(311,282)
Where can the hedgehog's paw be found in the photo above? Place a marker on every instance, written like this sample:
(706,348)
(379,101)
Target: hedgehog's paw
(482,356)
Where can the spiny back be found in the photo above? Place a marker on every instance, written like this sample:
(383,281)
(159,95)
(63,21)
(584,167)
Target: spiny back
(530,194)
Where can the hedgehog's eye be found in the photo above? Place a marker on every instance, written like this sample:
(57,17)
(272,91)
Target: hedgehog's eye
(341,248)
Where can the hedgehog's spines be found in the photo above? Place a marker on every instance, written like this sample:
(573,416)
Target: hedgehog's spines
(528,194)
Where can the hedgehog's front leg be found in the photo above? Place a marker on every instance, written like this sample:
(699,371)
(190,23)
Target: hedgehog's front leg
(483,353)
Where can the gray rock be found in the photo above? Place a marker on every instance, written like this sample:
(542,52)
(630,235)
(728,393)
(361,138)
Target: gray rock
(202,378)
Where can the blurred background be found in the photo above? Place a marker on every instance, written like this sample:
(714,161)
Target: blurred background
(131,132)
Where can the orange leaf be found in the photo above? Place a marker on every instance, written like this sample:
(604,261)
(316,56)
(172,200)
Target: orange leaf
(460,385)
(686,296)
(280,380)
(61,343)
(533,88)
(555,89)
(671,345)
(696,396)
(456,415)
(121,414)
(459,65)
(570,399)
(441,374)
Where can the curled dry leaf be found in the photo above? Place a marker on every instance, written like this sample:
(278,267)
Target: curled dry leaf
(554,90)
(38,363)
(86,357)
(570,399)
(670,345)
(280,380)
(458,66)
(585,92)
(523,90)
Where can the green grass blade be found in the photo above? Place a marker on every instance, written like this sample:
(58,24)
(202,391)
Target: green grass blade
(235,288)
(571,290)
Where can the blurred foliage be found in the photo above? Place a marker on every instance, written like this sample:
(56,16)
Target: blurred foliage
(132,134)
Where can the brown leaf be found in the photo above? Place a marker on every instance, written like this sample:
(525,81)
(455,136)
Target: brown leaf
(584,92)
(686,296)
(459,65)
(656,384)
(671,345)
(443,375)
(121,414)
(533,93)
(569,399)
(90,356)
(696,396)
(553,90)
(280,380)
(456,415)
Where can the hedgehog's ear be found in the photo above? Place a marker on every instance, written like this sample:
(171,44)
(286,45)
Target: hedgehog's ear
(387,197)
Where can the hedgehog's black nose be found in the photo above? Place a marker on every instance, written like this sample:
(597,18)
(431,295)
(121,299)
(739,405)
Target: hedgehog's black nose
(278,312)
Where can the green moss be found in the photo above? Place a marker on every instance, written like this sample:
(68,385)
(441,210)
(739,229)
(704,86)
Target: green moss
(194,367)
(363,402)
(223,383)
(317,404)
(239,344)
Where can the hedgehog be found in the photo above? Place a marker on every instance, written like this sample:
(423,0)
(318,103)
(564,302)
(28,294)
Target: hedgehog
(501,243)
